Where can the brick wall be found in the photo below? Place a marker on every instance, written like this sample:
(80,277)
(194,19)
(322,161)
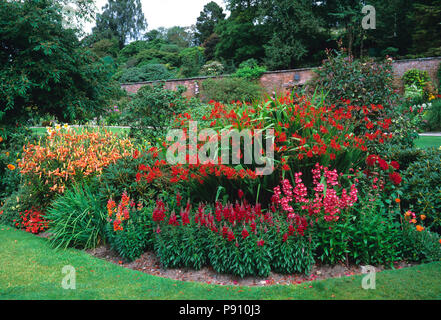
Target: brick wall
(283,80)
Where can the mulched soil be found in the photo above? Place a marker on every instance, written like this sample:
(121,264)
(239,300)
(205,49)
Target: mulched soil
(149,263)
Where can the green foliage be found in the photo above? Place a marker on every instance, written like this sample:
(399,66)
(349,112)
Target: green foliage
(421,190)
(106,47)
(151,111)
(121,176)
(122,19)
(207,21)
(439,78)
(416,77)
(77,218)
(192,59)
(230,89)
(43,68)
(405,157)
(420,246)
(363,83)
(136,234)
(212,68)
(433,116)
(12,141)
(16,202)
(249,70)
(148,72)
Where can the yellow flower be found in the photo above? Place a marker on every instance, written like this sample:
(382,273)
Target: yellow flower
(11,167)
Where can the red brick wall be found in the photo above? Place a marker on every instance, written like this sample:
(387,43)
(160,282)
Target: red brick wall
(281,81)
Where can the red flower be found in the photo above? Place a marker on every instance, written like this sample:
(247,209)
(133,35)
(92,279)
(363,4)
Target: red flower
(395,178)
(395,165)
(240,193)
(260,243)
(371,160)
(245,233)
(383,164)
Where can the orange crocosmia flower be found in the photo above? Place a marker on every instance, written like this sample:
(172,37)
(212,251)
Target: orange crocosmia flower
(423,217)
(419,228)
(397,200)
(407,213)
(11,167)
(413,221)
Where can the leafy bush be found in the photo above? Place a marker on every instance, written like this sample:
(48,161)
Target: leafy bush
(361,82)
(433,115)
(405,157)
(230,89)
(421,190)
(128,229)
(420,246)
(212,68)
(152,109)
(416,77)
(249,70)
(124,175)
(18,201)
(77,218)
(148,72)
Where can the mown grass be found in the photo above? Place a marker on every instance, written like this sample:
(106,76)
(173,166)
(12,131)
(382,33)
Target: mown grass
(30,269)
(426,142)
(42,131)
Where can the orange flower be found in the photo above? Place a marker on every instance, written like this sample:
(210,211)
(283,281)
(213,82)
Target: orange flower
(397,200)
(413,221)
(407,214)
(419,228)
(1,139)
(440,241)
(423,217)
(11,167)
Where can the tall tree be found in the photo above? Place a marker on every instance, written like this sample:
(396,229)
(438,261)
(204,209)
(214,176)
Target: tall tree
(427,33)
(122,19)
(209,18)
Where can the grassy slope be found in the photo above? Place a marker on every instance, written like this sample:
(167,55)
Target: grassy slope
(30,269)
(428,142)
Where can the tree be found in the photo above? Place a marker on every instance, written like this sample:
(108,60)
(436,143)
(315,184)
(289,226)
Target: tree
(427,33)
(209,18)
(122,19)
(43,68)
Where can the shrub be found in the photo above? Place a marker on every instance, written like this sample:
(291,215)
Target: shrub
(416,77)
(433,115)
(152,109)
(123,175)
(18,201)
(77,218)
(421,190)
(419,244)
(249,70)
(147,72)
(66,156)
(230,89)
(212,68)
(405,157)
(128,229)
(361,82)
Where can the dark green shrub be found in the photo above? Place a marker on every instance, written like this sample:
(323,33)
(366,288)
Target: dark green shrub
(77,218)
(433,115)
(361,82)
(406,156)
(230,89)
(122,176)
(420,246)
(151,111)
(292,256)
(147,72)
(421,188)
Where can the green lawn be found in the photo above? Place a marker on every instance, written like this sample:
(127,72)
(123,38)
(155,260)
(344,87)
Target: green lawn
(43,131)
(30,269)
(428,142)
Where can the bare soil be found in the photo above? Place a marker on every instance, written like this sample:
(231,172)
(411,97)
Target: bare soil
(149,263)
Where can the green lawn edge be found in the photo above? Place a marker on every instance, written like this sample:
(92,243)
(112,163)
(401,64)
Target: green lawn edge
(31,269)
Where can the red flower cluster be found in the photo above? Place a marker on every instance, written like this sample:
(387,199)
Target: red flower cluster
(387,167)
(32,221)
